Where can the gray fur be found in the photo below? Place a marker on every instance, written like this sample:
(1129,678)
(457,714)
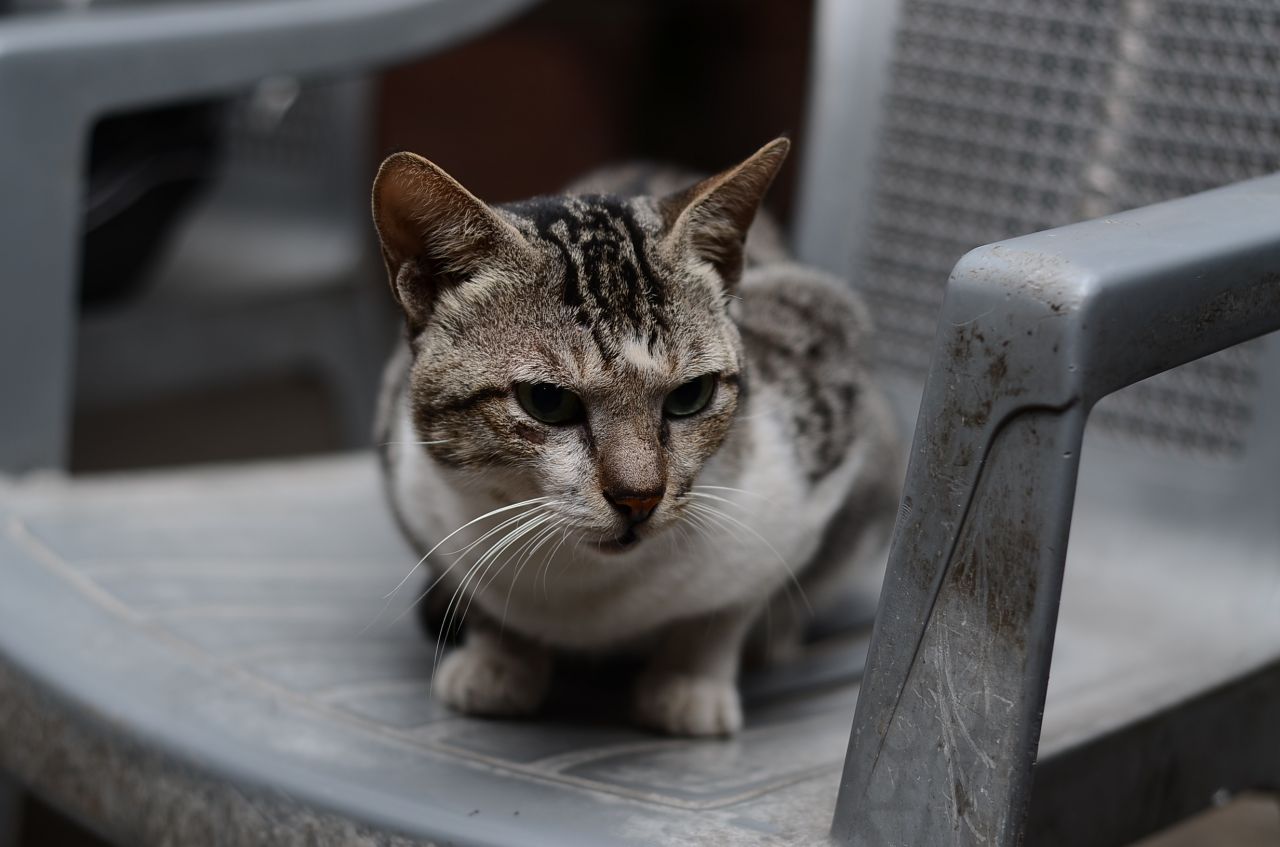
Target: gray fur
(622,299)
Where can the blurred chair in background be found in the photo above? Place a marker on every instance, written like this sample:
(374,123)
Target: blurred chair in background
(223,240)
(272,272)
(63,72)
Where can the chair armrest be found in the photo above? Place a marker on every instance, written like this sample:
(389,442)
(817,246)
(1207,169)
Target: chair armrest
(1033,331)
(1145,290)
(119,57)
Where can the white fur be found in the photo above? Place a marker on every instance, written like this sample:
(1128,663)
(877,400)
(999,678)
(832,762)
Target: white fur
(690,705)
(636,352)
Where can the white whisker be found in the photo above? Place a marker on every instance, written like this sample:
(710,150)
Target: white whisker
(493,554)
(458,530)
(718,499)
(551,557)
(506,523)
(713,513)
(416,443)
(540,524)
(455,600)
(390,594)
(540,539)
(731,488)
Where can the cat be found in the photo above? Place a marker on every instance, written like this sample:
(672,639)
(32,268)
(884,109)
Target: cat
(619,425)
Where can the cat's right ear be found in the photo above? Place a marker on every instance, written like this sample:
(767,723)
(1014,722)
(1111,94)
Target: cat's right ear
(435,234)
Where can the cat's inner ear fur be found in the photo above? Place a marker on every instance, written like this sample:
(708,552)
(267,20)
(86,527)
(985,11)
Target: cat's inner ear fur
(434,233)
(712,217)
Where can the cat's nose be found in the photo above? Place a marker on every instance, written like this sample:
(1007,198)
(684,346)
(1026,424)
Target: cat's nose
(635,506)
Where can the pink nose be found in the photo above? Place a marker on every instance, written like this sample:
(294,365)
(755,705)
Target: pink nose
(636,507)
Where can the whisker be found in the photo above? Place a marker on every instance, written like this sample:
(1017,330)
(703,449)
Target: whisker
(455,532)
(550,558)
(529,547)
(447,622)
(718,499)
(416,443)
(540,538)
(455,600)
(761,412)
(506,523)
(541,525)
(794,584)
(698,521)
(731,488)
(713,513)
(545,567)
(492,555)
(688,540)
(390,594)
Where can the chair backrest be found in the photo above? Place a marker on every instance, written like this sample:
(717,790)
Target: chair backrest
(290,194)
(940,125)
(311,138)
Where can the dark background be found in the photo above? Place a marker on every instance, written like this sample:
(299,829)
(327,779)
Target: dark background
(577,84)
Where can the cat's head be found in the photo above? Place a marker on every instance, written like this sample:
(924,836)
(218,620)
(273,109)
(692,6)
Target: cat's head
(577,348)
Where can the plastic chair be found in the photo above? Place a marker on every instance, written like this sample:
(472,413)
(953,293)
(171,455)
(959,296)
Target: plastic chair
(185,657)
(274,271)
(61,72)
(971,123)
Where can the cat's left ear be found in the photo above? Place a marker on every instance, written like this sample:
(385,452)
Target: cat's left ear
(712,217)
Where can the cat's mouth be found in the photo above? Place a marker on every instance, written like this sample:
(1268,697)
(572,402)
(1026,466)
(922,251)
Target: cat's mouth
(623,542)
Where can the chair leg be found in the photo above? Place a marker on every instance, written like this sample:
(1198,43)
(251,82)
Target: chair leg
(948,717)
(352,369)
(41,166)
(10,810)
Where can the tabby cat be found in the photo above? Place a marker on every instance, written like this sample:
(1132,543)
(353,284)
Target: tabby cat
(617,425)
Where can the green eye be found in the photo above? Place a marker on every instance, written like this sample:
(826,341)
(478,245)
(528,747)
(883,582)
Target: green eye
(690,398)
(549,403)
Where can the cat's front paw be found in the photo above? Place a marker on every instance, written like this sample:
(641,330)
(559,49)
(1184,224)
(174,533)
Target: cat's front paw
(680,704)
(482,680)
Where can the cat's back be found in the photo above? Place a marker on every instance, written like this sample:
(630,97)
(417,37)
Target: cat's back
(807,339)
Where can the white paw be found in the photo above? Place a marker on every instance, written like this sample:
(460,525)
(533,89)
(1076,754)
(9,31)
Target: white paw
(485,681)
(689,705)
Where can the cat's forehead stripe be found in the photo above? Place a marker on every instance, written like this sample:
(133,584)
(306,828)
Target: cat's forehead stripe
(609,278)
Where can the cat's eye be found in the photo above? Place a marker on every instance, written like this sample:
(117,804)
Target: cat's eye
(690,398)
(549,403)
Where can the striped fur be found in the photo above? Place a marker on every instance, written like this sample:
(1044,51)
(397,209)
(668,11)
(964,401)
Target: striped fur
(622,298)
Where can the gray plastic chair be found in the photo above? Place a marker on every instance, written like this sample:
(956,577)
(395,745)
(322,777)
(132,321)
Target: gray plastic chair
(187,658)
(62,72)
(274,272)
(975,122)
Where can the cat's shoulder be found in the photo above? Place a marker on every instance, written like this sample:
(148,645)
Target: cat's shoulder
(802,312)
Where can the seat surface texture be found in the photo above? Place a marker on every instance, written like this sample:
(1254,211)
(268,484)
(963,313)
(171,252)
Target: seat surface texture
(206,656)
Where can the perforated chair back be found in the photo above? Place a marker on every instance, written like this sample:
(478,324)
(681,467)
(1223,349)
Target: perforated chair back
(969,122)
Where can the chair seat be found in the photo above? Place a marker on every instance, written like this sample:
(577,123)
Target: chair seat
(203,656)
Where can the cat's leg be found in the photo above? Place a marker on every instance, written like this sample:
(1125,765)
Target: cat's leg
(845,574)
(848,565)
(493,672)
(691,684)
